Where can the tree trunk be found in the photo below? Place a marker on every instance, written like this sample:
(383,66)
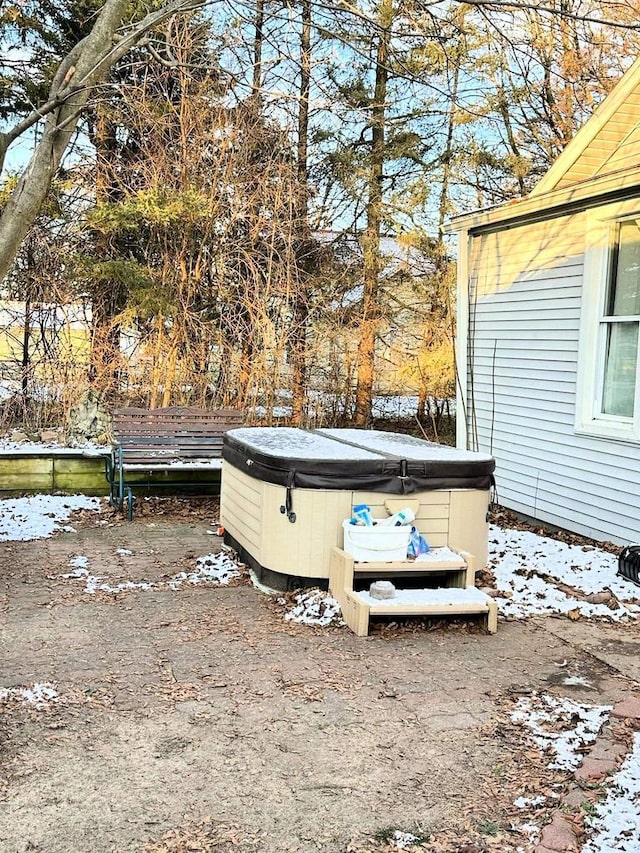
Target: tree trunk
(300,307)
(422,404)
(258,41)
(447,159)
(107,300)
(371,243)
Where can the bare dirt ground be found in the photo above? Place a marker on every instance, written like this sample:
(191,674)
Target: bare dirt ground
(198,719)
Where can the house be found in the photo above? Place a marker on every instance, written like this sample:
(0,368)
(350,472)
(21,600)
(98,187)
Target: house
(548,329)
(33,334)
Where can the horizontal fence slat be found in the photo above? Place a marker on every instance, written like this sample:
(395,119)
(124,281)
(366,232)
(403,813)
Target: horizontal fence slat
(161,437)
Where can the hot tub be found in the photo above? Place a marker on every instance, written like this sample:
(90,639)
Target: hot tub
(285,493)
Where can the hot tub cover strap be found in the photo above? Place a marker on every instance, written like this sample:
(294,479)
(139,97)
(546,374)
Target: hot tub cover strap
(287,507)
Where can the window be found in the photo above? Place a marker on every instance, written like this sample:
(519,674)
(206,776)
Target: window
(620,322)
(609,368)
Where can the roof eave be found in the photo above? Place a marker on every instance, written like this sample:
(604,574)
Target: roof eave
(595,191)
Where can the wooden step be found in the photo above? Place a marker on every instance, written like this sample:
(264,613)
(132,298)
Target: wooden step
(459,566)
(437,600)
(435,560)
(360,606)
(455,596)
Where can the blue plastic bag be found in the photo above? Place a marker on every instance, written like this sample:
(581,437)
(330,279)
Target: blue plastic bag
(417,544)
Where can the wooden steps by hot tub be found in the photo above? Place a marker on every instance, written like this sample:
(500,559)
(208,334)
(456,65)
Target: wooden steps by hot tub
(456,596)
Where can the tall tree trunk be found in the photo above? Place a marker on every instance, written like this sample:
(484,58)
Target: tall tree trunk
(258,40)
(422,403)
(300,307)
(107,298)
(447,159)
(371,243)
(504,108)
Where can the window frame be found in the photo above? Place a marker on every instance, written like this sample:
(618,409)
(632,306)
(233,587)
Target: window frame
(601,249)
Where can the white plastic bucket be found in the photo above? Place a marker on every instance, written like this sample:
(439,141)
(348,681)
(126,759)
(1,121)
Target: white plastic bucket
(377,543)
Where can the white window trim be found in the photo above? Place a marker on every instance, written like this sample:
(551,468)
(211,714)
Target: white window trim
(598,249)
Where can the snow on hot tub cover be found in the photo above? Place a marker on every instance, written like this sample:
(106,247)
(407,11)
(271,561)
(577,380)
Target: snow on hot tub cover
(370,460)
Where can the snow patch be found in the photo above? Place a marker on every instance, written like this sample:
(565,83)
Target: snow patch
(525,802)
(40,694)
(218,568)
(576,681)
(402,840)
(51,448)
(616,819)
(314,607)
(294,443)
(37,517)
(405,446)
(441,597)
(560,726)
(527,567)
(529,829)
(80,565)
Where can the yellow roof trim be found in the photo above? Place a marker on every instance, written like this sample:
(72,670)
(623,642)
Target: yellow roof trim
(555,200)
(587,133)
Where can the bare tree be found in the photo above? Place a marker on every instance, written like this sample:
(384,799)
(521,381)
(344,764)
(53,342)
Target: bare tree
(86,65)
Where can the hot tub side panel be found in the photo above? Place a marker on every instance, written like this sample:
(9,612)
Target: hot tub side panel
(250,512)
(456,517)
(242,509)
(303,549)
(469,523)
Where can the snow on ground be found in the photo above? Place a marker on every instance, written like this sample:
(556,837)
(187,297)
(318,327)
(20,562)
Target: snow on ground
(51,448)
(40,694)
(313,607)
(526,802)
(38,516)
(217,568)
(613,826)
(80,566)
(526,565)
(530,830)
(402,840)
(560,726)
(383,406)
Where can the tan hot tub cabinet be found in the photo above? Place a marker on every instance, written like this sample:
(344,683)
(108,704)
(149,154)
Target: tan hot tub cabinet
(285,493)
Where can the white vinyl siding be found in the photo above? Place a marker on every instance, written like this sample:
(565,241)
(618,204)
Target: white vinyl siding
(525,300)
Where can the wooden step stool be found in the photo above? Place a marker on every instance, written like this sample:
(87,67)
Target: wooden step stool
(459,596)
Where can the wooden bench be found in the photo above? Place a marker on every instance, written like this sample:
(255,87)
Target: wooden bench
(456,595)
(177,439)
